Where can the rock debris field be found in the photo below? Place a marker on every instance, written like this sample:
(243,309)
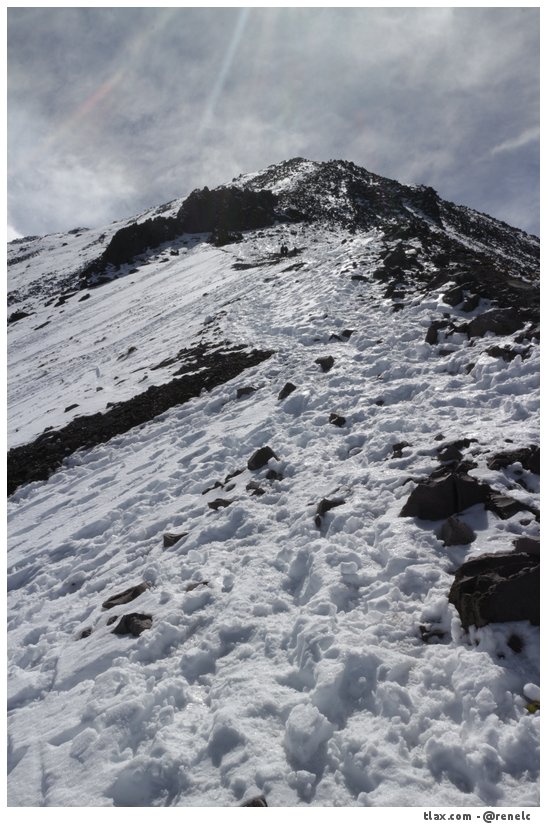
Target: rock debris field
(313,582)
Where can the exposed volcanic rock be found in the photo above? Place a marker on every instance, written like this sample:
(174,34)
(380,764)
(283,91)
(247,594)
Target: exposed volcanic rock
(135,623)
(222,212)
(528,457)
(443,496)
(494,588)
(126,596)
(38,460)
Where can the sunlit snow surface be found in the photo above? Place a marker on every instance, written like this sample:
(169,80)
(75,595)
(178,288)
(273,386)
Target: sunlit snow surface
(298,671)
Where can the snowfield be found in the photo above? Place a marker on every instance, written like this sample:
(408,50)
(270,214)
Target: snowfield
(285,656)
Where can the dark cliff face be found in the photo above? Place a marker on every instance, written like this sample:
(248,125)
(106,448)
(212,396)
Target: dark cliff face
(220,211)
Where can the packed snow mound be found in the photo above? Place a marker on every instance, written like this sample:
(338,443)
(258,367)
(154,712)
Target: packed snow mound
(226,602)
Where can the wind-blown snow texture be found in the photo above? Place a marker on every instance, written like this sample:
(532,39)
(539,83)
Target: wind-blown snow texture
(285,656)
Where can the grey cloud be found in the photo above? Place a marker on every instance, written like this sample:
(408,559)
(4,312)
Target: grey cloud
(142,105)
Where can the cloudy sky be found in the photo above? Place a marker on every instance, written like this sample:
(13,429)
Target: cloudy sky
(112,110)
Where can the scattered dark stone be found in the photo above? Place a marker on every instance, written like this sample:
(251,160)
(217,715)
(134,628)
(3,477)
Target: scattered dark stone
(216,485)
(111,620)
(347,333)
(359,278)
(471,302)
(515,643)
(325,504)
(439,437)
(507,354)
(326,363)
(71,407)
(244,391)
(449,453)
(85,633)
(219,503)
(272,475)
(258,801)
(440,497)
(380,402)
(261,457)
(398,449)
(133,624)
(432,334)
(430,635)
(527,544)
(528,457)
(18,315)
(453,296)
(456,533)
(36,461)
(335,337)
(84,297)
(171,538)
(505,507)
(469,368)
(233,475)
(254,488)
(41,326)
(497,588)
(396,258)
(286,391)
(336,420)
(196,584)
(498,321)
(126,596)
(129,352)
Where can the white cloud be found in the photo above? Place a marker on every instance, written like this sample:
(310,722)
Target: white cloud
(523,139)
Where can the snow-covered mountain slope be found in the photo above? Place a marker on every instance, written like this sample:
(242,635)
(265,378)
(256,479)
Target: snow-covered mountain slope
(296,636)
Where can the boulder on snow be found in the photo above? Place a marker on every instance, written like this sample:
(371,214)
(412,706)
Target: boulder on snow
(528,457)
(261,457)
(456,533)
(133,624)
(497,588)
(126,596)
(505,507)
(439,497)
(244,391)
(258,801)
(324,505)
(219,503)
(336,420)
(286,391)
(325,363)
(498,321)
(171,538)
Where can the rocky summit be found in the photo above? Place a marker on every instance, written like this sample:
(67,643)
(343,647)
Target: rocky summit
(273,502)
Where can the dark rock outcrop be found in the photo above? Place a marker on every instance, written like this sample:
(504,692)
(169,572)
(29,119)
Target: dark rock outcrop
(38,460)
(336,420)
(497,588)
